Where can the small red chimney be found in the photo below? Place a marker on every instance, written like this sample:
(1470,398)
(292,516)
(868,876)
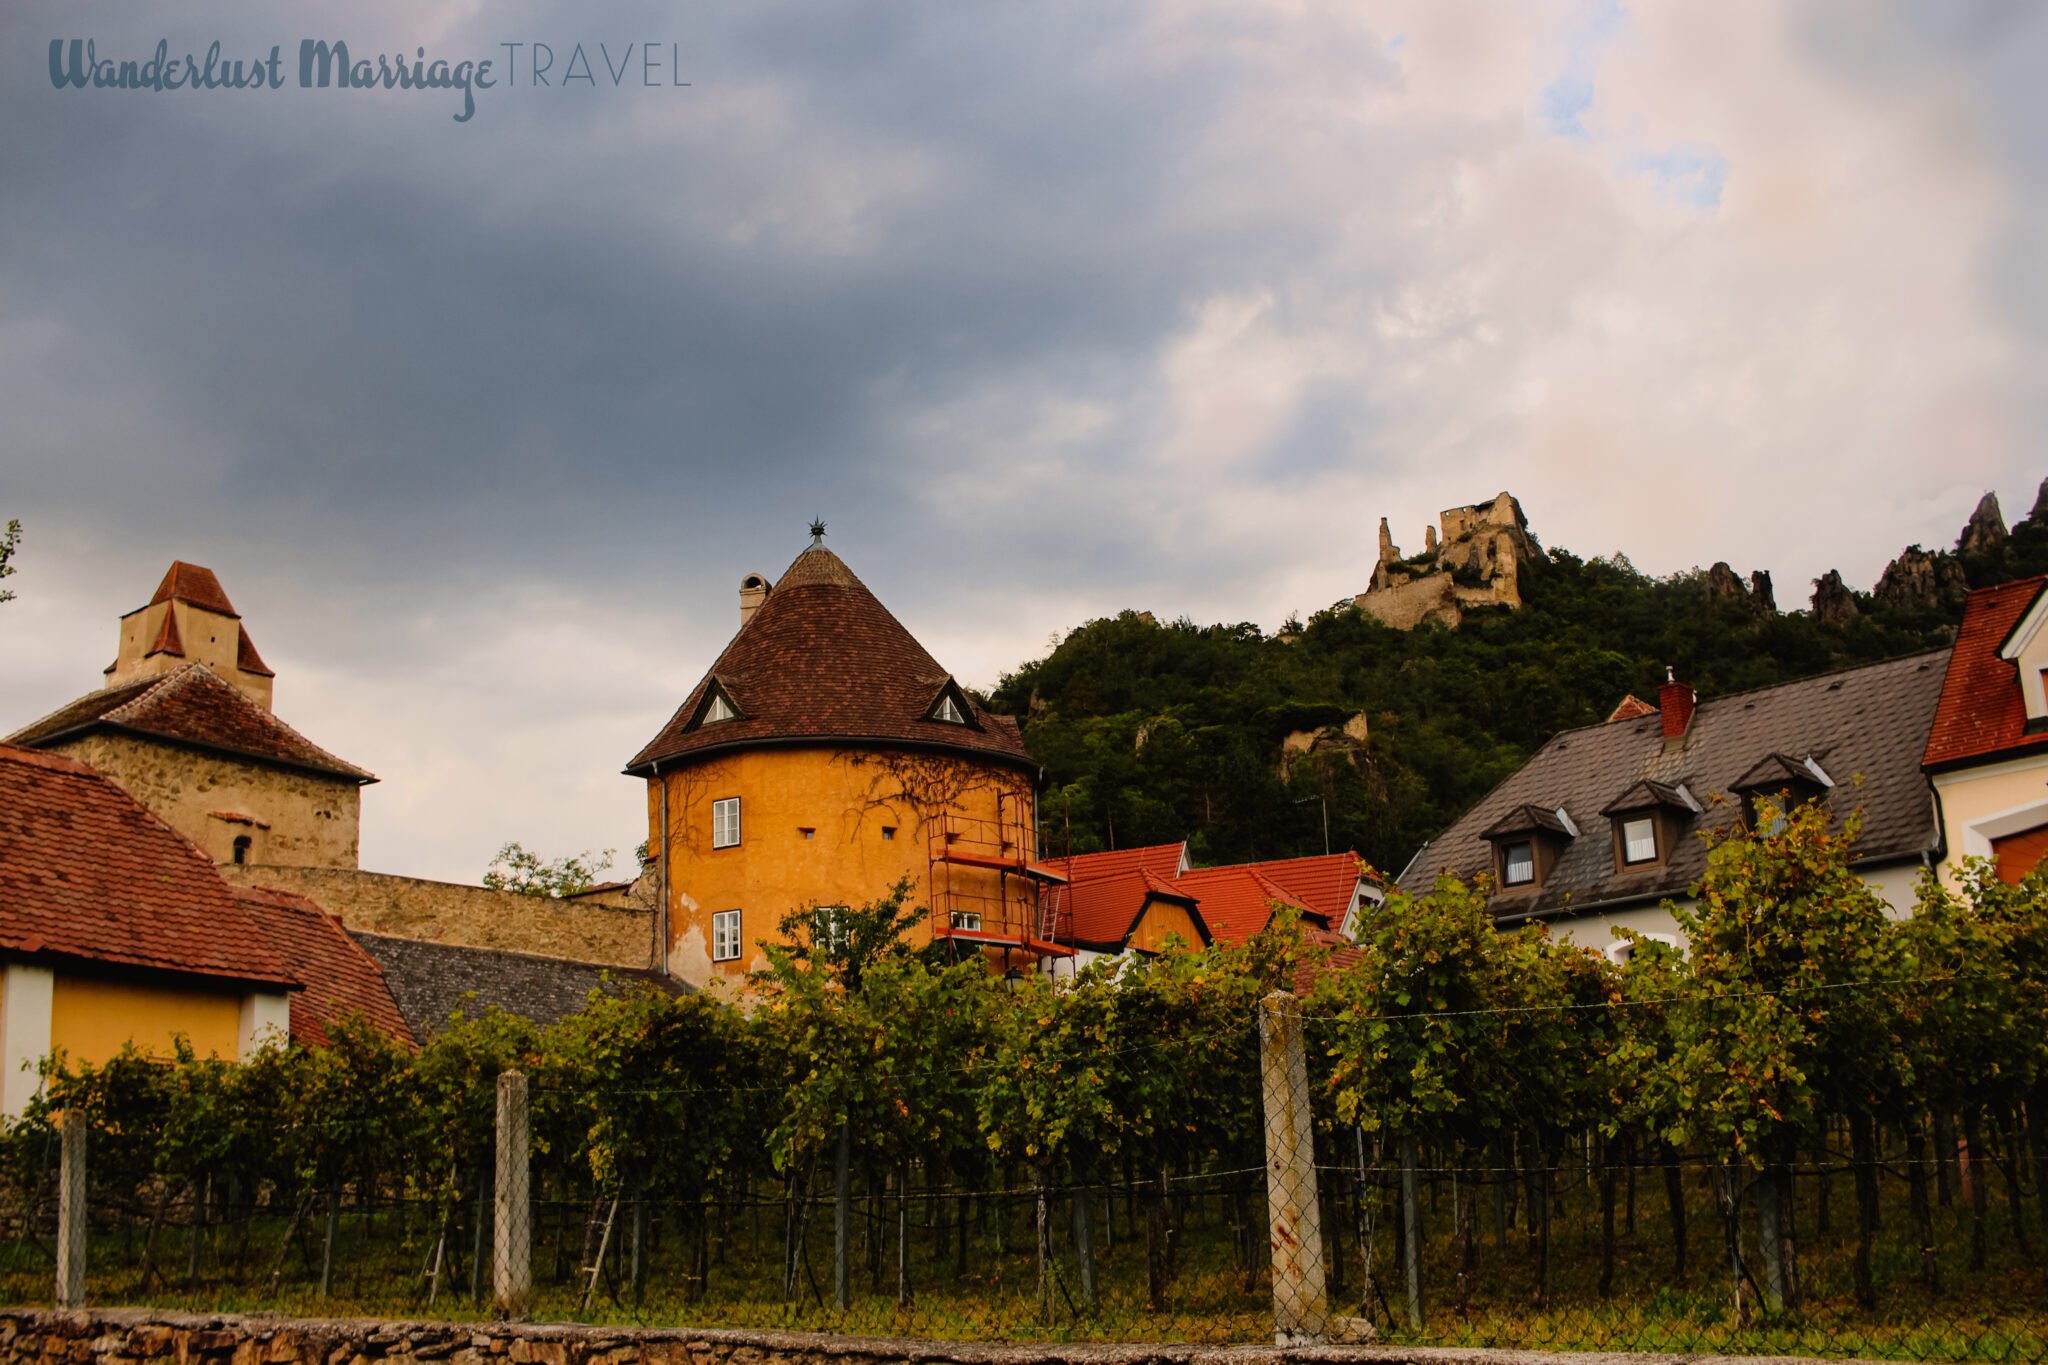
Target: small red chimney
(1676,701)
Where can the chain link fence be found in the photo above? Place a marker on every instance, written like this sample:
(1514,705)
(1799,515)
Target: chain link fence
(1272,1221)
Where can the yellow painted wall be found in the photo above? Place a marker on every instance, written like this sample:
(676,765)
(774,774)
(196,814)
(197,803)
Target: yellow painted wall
(847,799)
(1160,921)
(90,1018)
(1973,794)
(313,821)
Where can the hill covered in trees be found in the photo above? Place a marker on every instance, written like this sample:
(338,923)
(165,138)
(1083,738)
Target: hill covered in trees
(1154,732)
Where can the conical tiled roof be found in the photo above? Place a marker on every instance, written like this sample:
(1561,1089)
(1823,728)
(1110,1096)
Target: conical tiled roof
(823,660)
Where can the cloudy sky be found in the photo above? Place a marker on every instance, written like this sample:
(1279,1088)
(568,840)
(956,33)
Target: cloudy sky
(1048,308)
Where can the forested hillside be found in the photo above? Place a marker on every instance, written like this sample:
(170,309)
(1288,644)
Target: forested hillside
(1153,732)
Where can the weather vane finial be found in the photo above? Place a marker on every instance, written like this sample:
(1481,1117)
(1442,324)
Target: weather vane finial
(817,532)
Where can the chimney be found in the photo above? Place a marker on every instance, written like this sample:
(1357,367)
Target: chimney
(753,592)
(1676,701)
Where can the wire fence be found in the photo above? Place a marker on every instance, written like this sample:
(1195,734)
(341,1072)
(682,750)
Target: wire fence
(1921,1240)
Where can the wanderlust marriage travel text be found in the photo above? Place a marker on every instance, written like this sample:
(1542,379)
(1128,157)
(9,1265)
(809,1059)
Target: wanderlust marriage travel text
(78,65)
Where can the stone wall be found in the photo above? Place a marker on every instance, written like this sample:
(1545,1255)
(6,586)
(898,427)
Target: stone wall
(613,930)
(289,816)
(135,1336)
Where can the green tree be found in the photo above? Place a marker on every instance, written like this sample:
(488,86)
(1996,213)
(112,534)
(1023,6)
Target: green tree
(9,543)
(517,869)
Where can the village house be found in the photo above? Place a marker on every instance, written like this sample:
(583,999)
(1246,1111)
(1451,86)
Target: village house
(1987,753)
(1602,825)
(824,757)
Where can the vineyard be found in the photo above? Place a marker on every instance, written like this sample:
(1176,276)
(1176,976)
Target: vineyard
(1822,1131)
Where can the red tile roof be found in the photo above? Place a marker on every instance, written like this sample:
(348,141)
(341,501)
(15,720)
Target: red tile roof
(1237,902)
(1100,912)
(189,583)
(1981,713)
(1325,884)
(189,705)
(246,657)
(86,871)
(1631,706)
(341,979)
(1161,860)
(823,660)
(168,640)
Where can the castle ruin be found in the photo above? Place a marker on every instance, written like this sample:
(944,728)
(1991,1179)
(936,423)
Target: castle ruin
(1474,562)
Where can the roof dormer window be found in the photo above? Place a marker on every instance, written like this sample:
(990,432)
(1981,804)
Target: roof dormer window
(718,709)
(1526,844)
(1785,781)
(1648,821)
(948,711)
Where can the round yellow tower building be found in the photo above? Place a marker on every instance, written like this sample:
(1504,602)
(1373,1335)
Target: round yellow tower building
(824,757)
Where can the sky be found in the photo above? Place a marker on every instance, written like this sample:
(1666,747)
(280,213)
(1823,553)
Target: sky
(1048,310)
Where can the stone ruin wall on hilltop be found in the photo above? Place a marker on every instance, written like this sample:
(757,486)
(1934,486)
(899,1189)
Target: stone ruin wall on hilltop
(1485,541)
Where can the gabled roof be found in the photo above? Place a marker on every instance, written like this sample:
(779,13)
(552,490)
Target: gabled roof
(431,981)
(1775,771)
(341,979)
(189,583)
(1648,794)
(1099,913)
(1327,884)
(1982,715)
(1528,818)
(189,705)
(1867,726)
(822,660)
(1629,708)
(1166,861)
(1237,902)
(86,871)
(169,640)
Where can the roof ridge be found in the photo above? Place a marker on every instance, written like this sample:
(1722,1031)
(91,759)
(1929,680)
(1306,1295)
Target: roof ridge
(41,758)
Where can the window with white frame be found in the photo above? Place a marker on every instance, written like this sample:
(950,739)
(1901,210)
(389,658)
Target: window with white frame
(948,711)
(1639,839)
(725,822)
(725,936)
(969,920)
(829,928)
(1518,864)
(717,709)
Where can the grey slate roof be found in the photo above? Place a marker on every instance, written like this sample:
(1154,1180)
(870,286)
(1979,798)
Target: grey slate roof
(1868,723)
(430,981)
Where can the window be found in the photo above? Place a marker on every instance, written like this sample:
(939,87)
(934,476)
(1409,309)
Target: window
(242,845)
(1518,864)
(888,832)
(807,831)
(1639,839)
(725,936)
(725,822)
(829,928)
(948,711)
(718,709)
(969,920)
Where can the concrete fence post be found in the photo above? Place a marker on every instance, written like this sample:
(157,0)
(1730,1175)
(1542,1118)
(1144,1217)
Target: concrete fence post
(71,1209)
(512,1223)
(1301,1313)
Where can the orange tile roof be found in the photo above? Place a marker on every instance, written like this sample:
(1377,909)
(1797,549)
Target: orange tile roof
(1981,713)
(1326,884)
(189,705)
(341,979)
(1161,860)
(1237,902)
(168,639)
(823,660)
(86,871)
(1630,707)
(246,657)
(189,583)
(1099,912)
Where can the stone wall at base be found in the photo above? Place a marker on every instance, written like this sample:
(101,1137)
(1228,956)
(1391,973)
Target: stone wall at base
(587,929)
(146,1336)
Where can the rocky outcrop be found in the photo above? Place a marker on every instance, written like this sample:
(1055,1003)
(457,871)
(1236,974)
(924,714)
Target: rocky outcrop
(1474,562)
(1984,535)
(1833,603)
(1919,580)
(1346,741)
(1725,585)
(1760,595)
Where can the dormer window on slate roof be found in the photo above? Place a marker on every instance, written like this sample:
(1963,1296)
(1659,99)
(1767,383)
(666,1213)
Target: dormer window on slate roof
(1526,844)
(1785,781)
(948,711)
(1648,820)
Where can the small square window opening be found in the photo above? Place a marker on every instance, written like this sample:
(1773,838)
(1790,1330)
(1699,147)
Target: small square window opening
(1519,864)
(725,822)
(725,936)
(888,831)
(806,831)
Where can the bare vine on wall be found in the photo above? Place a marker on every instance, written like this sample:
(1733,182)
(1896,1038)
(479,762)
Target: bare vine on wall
(694,786)
(926,785)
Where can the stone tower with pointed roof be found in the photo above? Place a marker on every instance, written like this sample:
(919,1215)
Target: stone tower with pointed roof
(824,756)
(184,725)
